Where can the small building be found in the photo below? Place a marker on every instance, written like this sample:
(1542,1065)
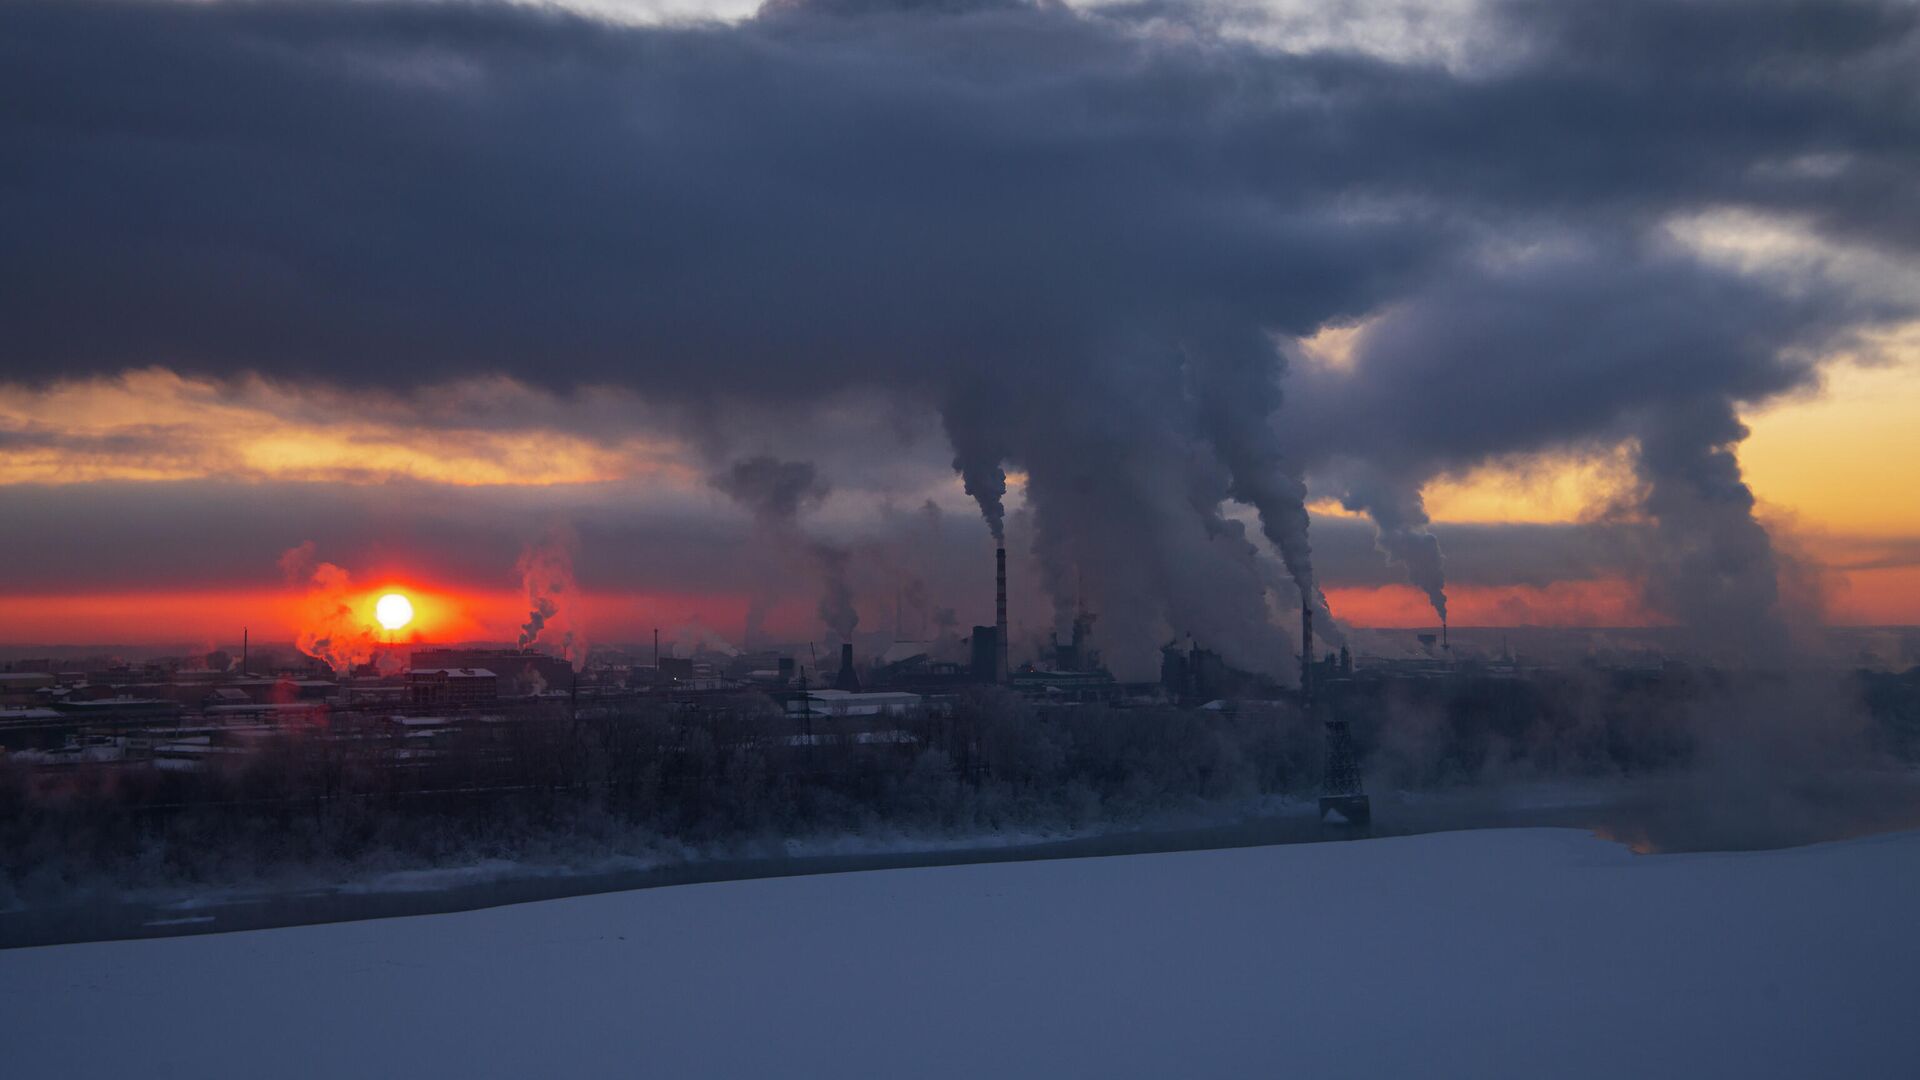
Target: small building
(24,687)
(850,703)
(452,686)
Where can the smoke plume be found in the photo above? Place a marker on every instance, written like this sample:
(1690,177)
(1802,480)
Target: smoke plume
(694,637)
(330,631)
(775,492)
(1399,515)
(1713,566)
(1086,238)
(837,611)
(546,573)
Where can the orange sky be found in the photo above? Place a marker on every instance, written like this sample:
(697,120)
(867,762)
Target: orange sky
(1831,470)
(214,617)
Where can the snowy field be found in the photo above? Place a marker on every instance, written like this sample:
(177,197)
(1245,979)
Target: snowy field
(1492,953)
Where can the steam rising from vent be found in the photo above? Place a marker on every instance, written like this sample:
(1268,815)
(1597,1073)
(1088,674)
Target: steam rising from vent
(546,572)
(330,631)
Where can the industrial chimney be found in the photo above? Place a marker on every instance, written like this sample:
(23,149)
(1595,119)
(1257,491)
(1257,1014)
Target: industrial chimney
(1000,669)
(847,680)
(1306,653)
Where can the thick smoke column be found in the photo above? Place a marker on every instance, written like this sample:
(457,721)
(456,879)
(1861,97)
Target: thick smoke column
(546,572)
(974,422)
(1235,387)
(1664,354)
(1076,232)
(330,631)
(544,608)
(1399,516)
(1713,566)
(837,612)
(775,492)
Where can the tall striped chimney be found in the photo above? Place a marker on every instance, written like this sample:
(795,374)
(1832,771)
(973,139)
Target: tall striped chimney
(1000,669)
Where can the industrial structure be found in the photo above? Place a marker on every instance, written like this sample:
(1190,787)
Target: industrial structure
(225,707)
(1341,791)
(1000,665)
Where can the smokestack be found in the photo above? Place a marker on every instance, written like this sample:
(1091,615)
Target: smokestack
(1000,668)
(243,651)
(847,680)
(1306,652)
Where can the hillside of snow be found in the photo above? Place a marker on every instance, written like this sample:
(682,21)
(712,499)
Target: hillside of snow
(1488,953)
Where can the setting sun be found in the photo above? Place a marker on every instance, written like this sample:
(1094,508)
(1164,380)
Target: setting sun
(394,611)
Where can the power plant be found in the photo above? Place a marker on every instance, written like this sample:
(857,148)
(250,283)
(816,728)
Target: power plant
(448,689)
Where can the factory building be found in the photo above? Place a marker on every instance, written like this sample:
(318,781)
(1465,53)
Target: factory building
(442,687)
(832,703)
(985,654)
(521,672)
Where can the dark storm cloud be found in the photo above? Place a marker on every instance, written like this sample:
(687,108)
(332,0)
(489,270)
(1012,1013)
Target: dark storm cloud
(774,491)
(1072,234)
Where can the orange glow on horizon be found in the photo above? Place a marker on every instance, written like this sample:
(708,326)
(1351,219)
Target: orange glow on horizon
(444,614)
(1595,603)
(1876,596)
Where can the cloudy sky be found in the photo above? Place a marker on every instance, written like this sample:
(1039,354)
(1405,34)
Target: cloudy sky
(1534,312)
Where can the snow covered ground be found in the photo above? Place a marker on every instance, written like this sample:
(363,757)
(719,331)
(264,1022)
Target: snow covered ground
(1531,952)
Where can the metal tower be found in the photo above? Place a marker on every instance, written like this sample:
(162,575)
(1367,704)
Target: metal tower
(1340,789)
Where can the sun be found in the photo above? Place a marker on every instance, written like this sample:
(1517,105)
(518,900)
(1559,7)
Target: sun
(393,610)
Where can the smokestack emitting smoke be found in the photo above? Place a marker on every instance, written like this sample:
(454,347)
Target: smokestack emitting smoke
(1400,521)
(1000,668)
(1568,343)
(546,571)
(1306,652)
